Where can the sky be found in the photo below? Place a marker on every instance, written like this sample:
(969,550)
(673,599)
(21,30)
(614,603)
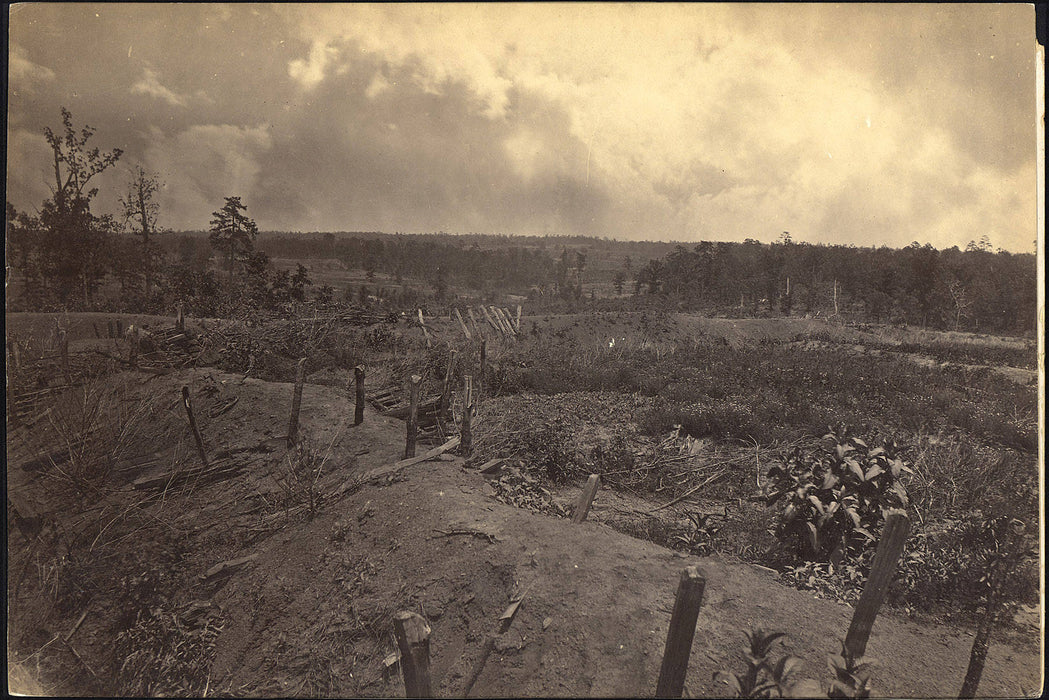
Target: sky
(855,124)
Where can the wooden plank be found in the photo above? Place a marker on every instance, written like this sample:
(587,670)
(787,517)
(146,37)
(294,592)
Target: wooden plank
(488,317)
(446,387)
(426,333)
(462,324)
(468,408)
(388,469)
(228,566)
(492,465)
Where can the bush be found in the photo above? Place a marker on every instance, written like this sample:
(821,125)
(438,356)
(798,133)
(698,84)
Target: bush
(835,502)
(949,568)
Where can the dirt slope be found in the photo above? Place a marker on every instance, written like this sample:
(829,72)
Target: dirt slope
(311,614)
(593,622)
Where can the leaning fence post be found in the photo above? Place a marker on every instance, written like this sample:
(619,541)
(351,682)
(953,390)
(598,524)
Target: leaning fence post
(446,389)
(413,416)
(413,641)
(193,425)
(296,402)
(893,537)
(682,631)
(465,435)
(358,412)
(582,506)
(484,367)
(63,349)
(132,353)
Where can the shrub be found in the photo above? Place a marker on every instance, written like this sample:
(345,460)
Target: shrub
(950,567)
(298,475)
(834,502)
(764,677)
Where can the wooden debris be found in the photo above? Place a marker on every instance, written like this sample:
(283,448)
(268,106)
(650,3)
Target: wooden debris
(462,324)
(386,470)
(227,567)
(218,470)
(505,620)
(492,466)
(223,407)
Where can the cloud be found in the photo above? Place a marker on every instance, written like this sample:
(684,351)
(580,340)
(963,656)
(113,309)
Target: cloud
(310,71)
(694,121)
(203,164)
(23,72)
(150,85)
(28,176)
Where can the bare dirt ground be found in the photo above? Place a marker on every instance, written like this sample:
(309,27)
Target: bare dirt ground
(310,613)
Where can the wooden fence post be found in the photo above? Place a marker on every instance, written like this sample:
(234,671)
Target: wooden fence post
(518,321)
(466,435)
(682,631)
(63,349)
(426,333)
(132,352)
(180,320)
(473,321)
(193,425)
(582,506)
(94,327)
(358,411)
(446,389)
(413,641)
(413,416)
(296,402)
(893,537)
(109,328)
(483,371)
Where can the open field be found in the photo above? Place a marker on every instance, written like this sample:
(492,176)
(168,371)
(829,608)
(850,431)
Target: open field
(682,416)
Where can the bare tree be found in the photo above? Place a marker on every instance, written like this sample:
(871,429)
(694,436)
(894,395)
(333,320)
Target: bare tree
(140,210)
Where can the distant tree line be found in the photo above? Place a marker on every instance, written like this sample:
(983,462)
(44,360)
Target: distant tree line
(65,254)
(428,258)
(975,289)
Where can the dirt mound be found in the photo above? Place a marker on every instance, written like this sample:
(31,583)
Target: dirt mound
(303,606)
(314,614)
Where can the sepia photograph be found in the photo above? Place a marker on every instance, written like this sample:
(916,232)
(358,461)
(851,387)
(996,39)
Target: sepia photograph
(525,350)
